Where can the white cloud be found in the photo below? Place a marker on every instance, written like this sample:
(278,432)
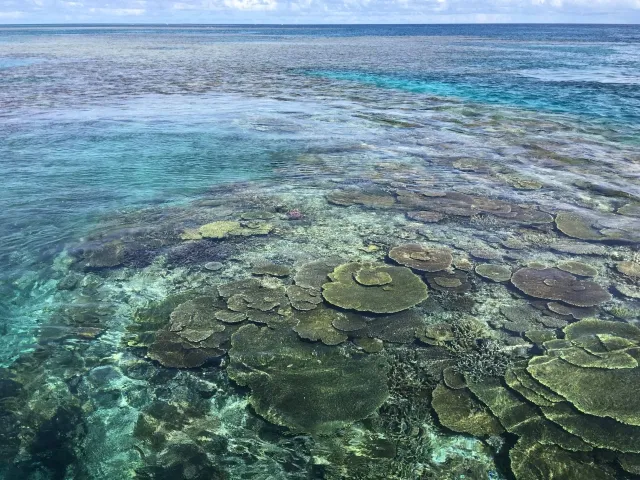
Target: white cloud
(300,5)
(184,6)
(14,14)
(356,3)
(251,4)
(321,11)
(119,12)
(610,5)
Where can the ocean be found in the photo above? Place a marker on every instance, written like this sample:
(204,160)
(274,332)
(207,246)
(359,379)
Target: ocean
(193,218)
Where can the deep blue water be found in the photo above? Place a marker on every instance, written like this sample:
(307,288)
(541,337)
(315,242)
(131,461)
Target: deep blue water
(521,32)
(582,69)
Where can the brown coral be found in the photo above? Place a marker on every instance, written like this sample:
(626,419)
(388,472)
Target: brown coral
(555,284)
(421,258)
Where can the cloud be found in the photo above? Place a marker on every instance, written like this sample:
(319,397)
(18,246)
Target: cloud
(12,15)
(119,12)
(319,11)
(589,4)
(251,4)
(184,6)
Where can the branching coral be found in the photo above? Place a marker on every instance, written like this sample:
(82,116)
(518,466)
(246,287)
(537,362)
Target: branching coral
(477,355)
(486,359)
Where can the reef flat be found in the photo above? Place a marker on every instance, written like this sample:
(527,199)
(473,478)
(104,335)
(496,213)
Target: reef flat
(412,287)
(338,335)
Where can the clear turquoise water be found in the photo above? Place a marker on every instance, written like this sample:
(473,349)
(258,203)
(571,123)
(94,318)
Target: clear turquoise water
(112,129)
(83,132)
(66,168)
(103,119)
(606,93)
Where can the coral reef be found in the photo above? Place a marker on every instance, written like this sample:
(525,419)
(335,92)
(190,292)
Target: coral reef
(381,289)
(418,333)
(576,397)
(421,258)
(269,268)
(576,226)
(578,268)
(555,284)
(227,228)
(368,198)
(497,273)
(629,268)
(307,387)
(460,412)
(317,325)
(105,255)
(425,216)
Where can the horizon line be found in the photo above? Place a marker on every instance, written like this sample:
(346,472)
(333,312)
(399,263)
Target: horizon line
(304,24)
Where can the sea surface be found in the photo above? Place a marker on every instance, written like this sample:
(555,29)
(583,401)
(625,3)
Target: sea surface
(156,181)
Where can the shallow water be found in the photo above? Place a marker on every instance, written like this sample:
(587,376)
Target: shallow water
(289,145)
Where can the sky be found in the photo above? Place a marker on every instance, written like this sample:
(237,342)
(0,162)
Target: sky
(319,11)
